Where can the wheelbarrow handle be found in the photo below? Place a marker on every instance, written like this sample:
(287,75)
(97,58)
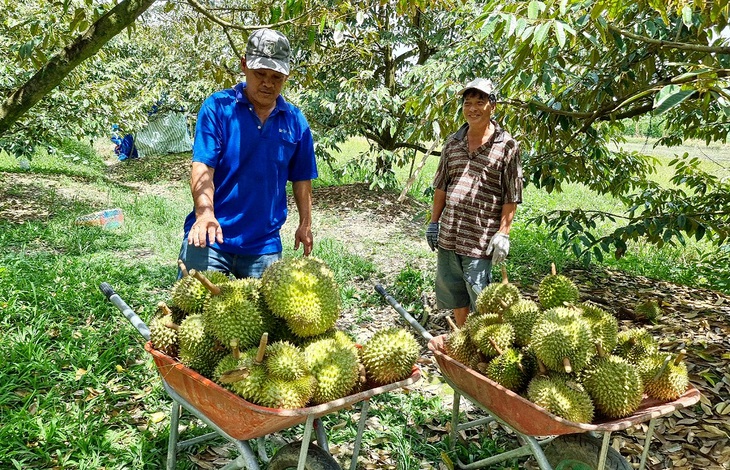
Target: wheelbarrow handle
(403,313)
(133,318)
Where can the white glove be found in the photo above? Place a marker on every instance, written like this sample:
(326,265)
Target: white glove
(499,244)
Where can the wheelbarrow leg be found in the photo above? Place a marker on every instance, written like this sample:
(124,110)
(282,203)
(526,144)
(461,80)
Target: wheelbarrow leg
(174,433)
(454,420)
(360,430)
(649,435)
(306,438)
(604,450)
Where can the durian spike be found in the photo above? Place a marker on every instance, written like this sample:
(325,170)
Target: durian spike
(680,357)
(505,279)
(172,326)
(553,271)
(162,307)
(183,268)
(541,369)
(214,290)
(495,346)
(566,365)
(262,348)
(452,324)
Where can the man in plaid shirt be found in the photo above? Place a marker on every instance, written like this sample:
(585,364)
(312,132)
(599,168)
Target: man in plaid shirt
(478,185)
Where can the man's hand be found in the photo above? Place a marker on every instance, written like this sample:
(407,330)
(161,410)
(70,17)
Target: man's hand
(499,244)
(303,235)
(432,235)
(206,229)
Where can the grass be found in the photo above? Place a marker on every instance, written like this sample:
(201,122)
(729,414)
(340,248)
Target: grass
(77,390)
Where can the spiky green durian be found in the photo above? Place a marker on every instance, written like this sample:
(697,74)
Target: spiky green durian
(198,349)
(522,315)
(562,340)
(303,291)
(614,384)
(648,309)
(389,356)
(287,394)
(556,290)
(189,294)
(234,315)
(459,346)
(496,298)
(334,362)
(665,378)
(561,397)
(635,344)
(603,325)
(490,339)
(163,337)
(512,369)
(285,361)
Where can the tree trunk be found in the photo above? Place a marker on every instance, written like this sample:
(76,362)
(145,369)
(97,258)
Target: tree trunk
(61,64)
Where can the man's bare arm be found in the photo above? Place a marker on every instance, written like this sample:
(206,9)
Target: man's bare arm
(303,198)
(206,226)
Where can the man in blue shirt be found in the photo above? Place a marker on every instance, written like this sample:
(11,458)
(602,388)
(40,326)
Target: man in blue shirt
(248,143)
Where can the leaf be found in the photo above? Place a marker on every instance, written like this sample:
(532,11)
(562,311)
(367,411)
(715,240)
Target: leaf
(533,9)
(687,16)
(560,33)
(541,33)
(669,97)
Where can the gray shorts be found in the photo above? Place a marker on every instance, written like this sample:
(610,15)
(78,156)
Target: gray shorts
(455,275)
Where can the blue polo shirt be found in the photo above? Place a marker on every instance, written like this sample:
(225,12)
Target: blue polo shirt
(252,166)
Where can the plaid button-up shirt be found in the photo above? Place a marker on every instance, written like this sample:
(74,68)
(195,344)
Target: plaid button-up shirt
(477,185)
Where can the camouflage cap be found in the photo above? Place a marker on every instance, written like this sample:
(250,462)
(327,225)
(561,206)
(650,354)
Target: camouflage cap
(268,49)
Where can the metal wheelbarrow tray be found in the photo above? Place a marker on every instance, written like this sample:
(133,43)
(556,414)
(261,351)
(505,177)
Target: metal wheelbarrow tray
(530,421)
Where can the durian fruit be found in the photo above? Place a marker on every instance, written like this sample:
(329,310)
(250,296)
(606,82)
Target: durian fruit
(603,325)
(667,378)
(459,346)
(522,315)
(614,384)
(198,349)
(190,295)
(562,340)
(496,298)
(285,361)
(635,344)
(512,369)
(389,356)
(556,290)
(233,312)
(648,309)
(561,396)
(303,291)
(334,362)
(288,394)
(249,384)
(162,336)
(490,339)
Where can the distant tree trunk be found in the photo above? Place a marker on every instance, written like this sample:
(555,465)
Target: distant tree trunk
(60,65)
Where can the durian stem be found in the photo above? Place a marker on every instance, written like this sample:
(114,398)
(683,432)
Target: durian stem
(680,357)
(214,290)
(541,369)
(566,365)
(172,326)
(505,279)
(262,348)
(235,351)
(495,346)
(162,306)
(504,305)
(664,366)
(452,324)
(183,268)
(599,349)
(553,271)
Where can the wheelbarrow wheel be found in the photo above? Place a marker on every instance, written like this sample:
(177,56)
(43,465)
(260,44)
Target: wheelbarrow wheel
(288,458)
(581,452)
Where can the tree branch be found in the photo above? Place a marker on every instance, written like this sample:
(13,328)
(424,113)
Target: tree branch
(670,44)
(221,22)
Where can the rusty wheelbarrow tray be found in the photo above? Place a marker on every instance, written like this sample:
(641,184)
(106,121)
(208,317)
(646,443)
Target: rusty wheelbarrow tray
(530,421)
(240,421)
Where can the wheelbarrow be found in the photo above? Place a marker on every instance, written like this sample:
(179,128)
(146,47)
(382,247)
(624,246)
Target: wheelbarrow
(554,442)
(239,421)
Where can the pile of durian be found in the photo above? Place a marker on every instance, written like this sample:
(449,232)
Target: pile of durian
(273,340)
(562,354)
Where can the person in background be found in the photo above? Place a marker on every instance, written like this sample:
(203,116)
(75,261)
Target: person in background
(478,185)
(249,142)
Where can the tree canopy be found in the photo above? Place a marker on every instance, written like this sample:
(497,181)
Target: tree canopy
(572,75)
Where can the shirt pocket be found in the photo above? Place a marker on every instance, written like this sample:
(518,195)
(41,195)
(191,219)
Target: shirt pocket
(285,145)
